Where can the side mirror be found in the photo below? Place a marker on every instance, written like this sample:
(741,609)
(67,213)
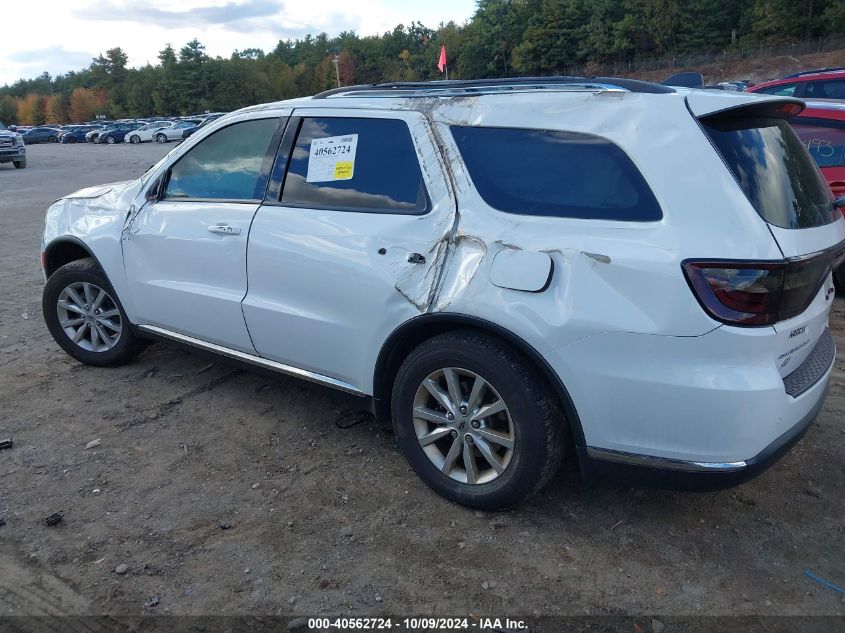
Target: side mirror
(154,192)
(839,203)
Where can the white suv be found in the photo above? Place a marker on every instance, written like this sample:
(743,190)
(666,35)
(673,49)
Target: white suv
(504,268)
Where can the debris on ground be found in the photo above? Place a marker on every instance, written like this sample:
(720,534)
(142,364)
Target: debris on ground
(225,526)
(2,522)
(121,569)
(53,519)
(809,574)
(93,443)
(6,443)
(348,419)
(204,369)
(152,602)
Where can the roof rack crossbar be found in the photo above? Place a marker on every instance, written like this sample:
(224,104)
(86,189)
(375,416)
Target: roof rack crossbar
(478,86)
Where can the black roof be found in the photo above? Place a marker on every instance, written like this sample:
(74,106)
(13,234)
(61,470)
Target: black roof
(421,88)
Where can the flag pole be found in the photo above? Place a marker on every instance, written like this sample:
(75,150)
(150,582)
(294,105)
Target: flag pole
(446,68)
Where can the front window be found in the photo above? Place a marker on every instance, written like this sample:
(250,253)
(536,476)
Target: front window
(781,90)
(774,170)
(224,166)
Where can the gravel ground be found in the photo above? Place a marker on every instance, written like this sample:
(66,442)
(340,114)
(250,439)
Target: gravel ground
(217,491)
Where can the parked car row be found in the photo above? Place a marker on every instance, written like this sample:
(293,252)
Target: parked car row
(159,130)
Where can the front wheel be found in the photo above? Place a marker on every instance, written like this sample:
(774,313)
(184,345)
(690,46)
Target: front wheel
(71,139)
(476,420)
(19,164)
(110,140)
(839,278)
(85,316)
(53,139)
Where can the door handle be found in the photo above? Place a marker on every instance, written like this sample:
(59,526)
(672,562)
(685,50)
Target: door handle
(225,229)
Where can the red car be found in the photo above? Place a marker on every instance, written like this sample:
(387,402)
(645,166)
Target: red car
(822,83)
(821,126)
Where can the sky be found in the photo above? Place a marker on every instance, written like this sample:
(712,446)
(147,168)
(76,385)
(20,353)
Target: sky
(62,35)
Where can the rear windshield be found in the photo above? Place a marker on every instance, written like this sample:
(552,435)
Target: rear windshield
(774,170)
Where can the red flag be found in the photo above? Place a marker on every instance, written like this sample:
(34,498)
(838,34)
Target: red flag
(441,65)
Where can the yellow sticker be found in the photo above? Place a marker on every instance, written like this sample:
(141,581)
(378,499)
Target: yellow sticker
(343,171)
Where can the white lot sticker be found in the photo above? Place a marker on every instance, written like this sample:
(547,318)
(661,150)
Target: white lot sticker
(332,158)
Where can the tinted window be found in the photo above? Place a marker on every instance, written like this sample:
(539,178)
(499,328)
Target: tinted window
(562,174)
(356,164)
(831,89)
(824,139)
(774,170)
(226,165)
(782,90)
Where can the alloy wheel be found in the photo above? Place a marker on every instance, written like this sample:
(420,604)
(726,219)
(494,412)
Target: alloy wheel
(89,316)
(463,426)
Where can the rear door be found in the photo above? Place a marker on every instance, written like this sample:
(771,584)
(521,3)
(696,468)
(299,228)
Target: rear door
(346,251)
(185,254)
(780,179)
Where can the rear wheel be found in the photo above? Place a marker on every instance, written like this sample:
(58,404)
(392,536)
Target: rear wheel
(71,139)
(839,278)
(476,421)
(19,164)
(134,139)
(85,316)
(161,138)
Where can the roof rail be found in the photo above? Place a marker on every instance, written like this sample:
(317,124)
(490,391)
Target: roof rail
(814,71)
(465,87)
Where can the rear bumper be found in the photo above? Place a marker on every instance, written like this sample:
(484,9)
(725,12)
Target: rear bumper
(654,472)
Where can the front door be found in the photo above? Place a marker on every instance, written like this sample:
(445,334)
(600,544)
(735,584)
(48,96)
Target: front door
(185,253)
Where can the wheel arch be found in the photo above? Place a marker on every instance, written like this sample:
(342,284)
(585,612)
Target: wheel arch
(421,328)
(64,250)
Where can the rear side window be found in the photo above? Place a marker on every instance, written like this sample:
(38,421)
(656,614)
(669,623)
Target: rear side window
(828,89)
(824,139)
(226,165)
(557,174)
(774,170)
(351,164)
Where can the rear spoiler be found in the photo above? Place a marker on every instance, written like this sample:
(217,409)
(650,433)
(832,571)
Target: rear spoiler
(744,104)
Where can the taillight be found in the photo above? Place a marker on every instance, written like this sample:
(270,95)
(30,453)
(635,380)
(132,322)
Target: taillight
(738,293)
(758,293)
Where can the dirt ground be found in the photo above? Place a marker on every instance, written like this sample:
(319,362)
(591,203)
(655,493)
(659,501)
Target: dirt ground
(324,520)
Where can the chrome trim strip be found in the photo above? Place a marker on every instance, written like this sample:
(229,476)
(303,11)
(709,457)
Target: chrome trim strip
(252,359)
(663,462)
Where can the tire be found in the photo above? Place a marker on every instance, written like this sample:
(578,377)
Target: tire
(53,139)
(95,140)
(161,138)
(19,164)
(134,139)
(71,139)
(110,140)
(839,278)
(121,348)
(531,421)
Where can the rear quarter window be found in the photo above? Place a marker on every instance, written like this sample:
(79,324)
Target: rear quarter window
(553,173)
